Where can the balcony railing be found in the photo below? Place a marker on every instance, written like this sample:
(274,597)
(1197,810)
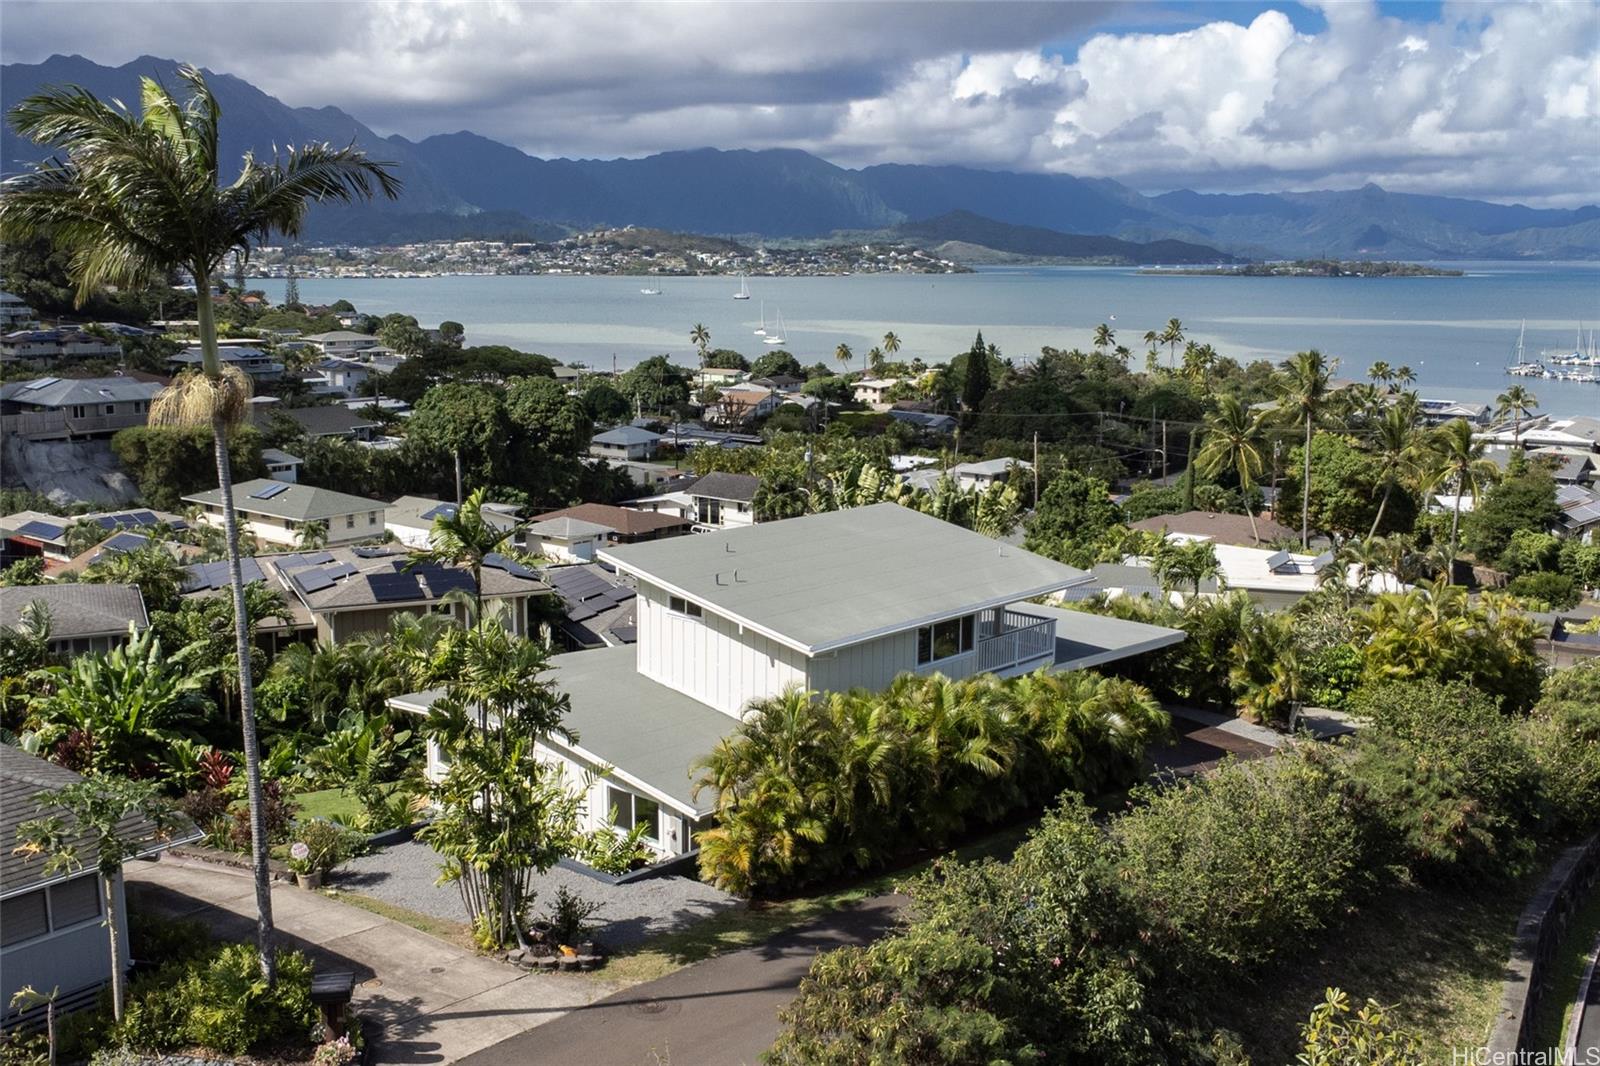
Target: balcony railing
(1006,639)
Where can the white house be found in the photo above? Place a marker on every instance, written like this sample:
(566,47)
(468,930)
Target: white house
(13,312)
(278,512)
(84,618)
(52,925)
(281,466)
(969,476)
(874,391)
(342,342)
(65,343)
(625,443)
(55,408)
(253,361)
(743,403)
(826,602)
(722,501)
(338,377)
(410,518)
(567,539)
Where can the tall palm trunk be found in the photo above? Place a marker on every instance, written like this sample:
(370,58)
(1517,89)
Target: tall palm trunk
(1388,487)
(113,926)
(1305,493)
(241,632)
(1455,529)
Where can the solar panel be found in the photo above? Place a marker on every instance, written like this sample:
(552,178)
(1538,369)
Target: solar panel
(42,383)
(387,588)
(126,542)
(295,561)
(109,521)
(250,570)
(442,581)
(43,530)
(1321,561)
(371,553)
(618,594)
(144,518)
(338,570)
(1276,560)
(269,491)
(313,580)
(447,510)
(578,614)
(626,634)
(509,565)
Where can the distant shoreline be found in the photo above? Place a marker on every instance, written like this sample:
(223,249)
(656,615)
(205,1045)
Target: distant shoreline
(1314,268)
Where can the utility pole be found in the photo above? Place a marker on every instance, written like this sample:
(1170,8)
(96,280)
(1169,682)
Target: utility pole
(1035,468)
(1163,450)
(459,498)
(1188,492)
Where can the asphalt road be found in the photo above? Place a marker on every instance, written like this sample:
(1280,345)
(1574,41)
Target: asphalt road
(722,1012)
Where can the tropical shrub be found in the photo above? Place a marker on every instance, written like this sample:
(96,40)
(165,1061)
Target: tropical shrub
(218,1001)
(809,787)
(612,852)
(324,844)
(1336,1035)
(1546,591)
(1563,736)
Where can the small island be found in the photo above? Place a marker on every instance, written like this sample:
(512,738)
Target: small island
(1317,268)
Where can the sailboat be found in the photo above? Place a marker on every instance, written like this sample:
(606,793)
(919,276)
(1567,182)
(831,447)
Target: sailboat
(744,290)
(648,291)
(761,330)
(777,337)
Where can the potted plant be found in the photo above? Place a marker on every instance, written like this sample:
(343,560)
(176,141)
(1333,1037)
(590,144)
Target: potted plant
(318,847)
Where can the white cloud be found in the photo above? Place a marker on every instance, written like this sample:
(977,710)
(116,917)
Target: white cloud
(1495,100)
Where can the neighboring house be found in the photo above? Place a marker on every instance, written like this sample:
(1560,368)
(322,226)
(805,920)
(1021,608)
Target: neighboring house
(338,377)
(826,603)
(53,935)
(722,501)
(120,543)
(597,606)
(332,420)
(341,342)
(874,391)
(1275,579)
(978,476)
(13,312)
(1543,431)
(73,408)
(252,361)
(628,526)
(410,518)
(1580,513)
(281,466)
(719,377)
(567,375)
(780,383)
(1219,527)
(625,443)
(743,404)
(278,512)
(926,421)
(567,540)
(83,618)
(1438,412)
(54,344)
(36,533)
(1567,465)
(338,593)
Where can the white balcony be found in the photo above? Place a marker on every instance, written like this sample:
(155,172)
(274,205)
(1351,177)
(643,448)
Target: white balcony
(1008,639)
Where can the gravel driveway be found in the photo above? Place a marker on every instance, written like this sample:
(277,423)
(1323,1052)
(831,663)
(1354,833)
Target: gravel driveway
(405,874)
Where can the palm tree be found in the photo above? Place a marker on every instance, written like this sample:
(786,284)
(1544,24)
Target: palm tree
(1233,442)
(1517,403)
(1399,444)
(875,360)
(1152,339)
(1104,337)
(138,197)
(1172,336)
(891,342)
(1404,375)
(701,337)
(1304,389)
(312,535)
(1458,460)
(466,538)
(1381,373)
(844,355)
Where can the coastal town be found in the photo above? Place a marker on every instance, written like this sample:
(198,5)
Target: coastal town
(386,678)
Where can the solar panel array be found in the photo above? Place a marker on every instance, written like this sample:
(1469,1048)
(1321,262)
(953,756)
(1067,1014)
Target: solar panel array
(389,588)
(127,518)
(269,491)
(42,530)
(302,559)
(126,542)
(203,576)
(446,510)
(442,580)
(584,592)
(313,580)
(509,565)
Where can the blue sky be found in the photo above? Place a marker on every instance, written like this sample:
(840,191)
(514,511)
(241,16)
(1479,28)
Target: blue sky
(1493,100)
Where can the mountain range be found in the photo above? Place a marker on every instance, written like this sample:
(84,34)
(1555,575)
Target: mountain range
(463,184)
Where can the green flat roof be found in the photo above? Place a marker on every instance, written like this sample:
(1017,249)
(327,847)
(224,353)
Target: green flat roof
(830,580)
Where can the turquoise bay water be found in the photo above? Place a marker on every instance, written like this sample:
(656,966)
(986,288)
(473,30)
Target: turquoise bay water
(1456,333)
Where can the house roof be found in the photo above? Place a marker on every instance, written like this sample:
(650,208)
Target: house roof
(625,436)
(78,610)
(567,528)
(279,457)
(52,529)
(63,392)
(418,512)
(989,467)
(650,735)
(302,503)
(325,421)
(830,580)
(1085,640)
(624,520)
(740,488)
(339,335)
(1222,528)
(24,776)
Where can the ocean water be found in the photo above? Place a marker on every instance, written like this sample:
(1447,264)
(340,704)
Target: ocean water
(1457,333)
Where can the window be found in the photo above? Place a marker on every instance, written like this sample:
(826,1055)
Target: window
(74,901)
(946,639)
(372,518)
(77,410)
(349,521)
(679,605)
(111,408)
(25,918)
(630,810)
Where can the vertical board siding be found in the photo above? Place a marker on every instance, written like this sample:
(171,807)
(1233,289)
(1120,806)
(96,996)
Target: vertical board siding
(709,658)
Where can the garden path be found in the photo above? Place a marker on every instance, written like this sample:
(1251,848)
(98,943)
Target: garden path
(426,1001)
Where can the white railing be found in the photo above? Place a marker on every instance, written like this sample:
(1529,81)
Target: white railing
(1009,638)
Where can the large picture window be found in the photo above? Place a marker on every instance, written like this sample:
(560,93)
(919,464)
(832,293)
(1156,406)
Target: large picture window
(631,810)
(947,639)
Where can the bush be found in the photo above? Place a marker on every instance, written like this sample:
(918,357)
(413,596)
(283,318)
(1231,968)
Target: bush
(1337,1036)
(1551,591)
(219,1002)
(326,845)
(1563,735)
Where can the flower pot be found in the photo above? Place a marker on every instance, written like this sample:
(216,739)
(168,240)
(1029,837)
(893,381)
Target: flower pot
(310,881)
(541,931)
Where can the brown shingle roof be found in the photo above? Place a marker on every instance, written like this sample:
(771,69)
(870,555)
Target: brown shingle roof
(624,520)
(1220,527)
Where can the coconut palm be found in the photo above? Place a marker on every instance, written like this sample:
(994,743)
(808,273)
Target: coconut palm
(1381,373)
(1458,461)
(137,197)
(1515,403)
(701,338)
(1404,375)
(1233,436)
(1304,390)
(844,355)
(1172,336)
(891,343)
(1104,337)
(464,537)
(312,535)
(875,360)
(1399,443)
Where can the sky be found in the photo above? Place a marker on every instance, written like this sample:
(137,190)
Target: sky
(1497,100)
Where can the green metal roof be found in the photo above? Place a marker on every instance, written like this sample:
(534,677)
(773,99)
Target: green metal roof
(302,503)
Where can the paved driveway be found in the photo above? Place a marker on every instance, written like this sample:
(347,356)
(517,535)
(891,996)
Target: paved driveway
(721,1012)
(433,1002)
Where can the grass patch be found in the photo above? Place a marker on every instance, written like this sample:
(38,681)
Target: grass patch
(763,919)
(1563,976)
(333,804)
(1437,955)
(444,929)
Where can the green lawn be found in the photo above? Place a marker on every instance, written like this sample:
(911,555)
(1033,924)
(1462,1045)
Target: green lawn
(334,804)
(1435,954)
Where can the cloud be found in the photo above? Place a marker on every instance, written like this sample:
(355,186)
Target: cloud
(1493,100)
